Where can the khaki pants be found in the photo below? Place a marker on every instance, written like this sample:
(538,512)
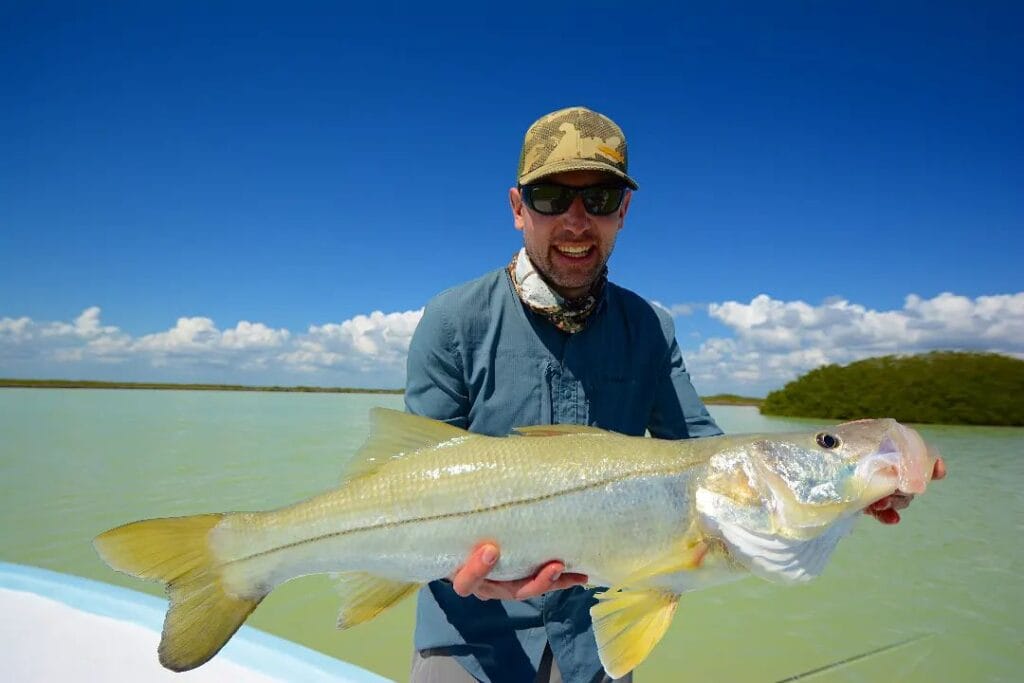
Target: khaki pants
(442,669)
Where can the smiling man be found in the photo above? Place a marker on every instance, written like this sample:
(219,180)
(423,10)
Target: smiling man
(547,340)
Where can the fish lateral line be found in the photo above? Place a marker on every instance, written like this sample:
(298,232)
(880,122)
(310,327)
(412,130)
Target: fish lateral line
(667,471)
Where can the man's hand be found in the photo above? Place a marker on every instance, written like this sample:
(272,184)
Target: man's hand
(885,510)
(471,578)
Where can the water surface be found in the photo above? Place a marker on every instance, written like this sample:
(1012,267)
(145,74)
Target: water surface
(76,462)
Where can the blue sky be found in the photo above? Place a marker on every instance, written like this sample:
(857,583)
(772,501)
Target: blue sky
(170,171)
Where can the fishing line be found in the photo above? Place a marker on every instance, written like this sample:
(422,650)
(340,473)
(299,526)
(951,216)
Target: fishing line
(854,658)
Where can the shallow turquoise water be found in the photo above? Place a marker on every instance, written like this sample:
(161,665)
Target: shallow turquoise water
(76,462)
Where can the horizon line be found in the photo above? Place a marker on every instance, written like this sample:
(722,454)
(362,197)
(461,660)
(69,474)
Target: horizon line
(12,383)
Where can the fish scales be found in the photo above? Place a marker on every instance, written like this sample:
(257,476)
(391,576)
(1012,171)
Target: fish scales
(647,520)
(400,521)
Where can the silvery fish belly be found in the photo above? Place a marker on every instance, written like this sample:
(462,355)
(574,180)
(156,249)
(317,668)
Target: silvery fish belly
(645,519)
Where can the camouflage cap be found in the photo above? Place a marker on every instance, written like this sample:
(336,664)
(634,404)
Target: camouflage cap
(573,139)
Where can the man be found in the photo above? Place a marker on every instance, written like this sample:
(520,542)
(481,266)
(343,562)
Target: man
(545,340)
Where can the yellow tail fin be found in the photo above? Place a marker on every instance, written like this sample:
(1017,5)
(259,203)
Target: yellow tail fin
(202,617)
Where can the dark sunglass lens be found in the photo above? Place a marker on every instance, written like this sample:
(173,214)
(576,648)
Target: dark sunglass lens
(550,199)
(602,201)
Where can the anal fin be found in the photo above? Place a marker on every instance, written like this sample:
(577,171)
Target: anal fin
(628,624)
(632,617)
(364,596)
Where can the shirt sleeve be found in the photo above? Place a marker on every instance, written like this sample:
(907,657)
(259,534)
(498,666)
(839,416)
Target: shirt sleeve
(678,412)
(434,385)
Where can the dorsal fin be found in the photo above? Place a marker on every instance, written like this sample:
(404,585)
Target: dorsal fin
(558,430)
(393,435)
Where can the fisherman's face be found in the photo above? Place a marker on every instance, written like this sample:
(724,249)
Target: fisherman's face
(569,249)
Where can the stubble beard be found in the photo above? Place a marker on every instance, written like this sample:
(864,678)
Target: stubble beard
(562,281)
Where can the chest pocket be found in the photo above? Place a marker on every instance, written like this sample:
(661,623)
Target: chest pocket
(615,402)
(511,390)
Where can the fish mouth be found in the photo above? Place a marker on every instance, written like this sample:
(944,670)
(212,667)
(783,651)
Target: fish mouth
(880,471)
(903,463)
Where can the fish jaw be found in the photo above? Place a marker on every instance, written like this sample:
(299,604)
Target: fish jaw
(780,504)
(790,485)
(881,457)
(775,486)
(903,463)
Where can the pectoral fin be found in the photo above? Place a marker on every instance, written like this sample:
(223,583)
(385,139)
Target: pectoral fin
(628,624)
(364,596)
(765,553)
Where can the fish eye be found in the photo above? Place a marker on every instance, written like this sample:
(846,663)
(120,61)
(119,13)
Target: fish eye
(826,440)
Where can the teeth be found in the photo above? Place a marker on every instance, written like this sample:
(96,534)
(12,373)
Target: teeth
(573,251)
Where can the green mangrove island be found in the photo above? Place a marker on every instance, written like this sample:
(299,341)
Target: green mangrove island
(942,387)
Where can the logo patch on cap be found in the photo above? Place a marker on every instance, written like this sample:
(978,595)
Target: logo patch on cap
(611,153)
(575,146)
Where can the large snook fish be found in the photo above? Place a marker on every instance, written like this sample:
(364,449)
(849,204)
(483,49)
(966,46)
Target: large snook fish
(648,518)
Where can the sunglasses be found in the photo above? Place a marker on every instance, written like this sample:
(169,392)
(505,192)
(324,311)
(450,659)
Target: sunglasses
(552,199)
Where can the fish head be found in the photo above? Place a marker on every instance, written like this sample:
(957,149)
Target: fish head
(889,457)
(780,503)
(800,484)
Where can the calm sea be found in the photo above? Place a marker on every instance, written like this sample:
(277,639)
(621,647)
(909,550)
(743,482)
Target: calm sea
(950,578)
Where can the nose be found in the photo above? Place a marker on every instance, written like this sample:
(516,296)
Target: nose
(576,218)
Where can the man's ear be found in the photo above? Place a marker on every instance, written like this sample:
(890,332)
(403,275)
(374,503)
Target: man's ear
(624,208)
(515,201)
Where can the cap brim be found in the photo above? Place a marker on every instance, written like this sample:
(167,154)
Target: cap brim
(576,165)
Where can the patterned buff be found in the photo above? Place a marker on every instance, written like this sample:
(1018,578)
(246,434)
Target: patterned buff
(568,315)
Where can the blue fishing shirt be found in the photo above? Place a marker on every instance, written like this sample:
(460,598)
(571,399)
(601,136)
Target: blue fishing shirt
(479,359)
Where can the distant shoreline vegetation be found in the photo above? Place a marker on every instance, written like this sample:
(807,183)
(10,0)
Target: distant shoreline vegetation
(170,386)
(718,399)
(942,387)
(731,400)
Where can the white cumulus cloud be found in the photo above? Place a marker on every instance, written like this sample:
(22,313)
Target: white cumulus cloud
(770,342)
(363,349)
(15,330)
(774,341)
(362,342)
(189,335)
(247,335)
